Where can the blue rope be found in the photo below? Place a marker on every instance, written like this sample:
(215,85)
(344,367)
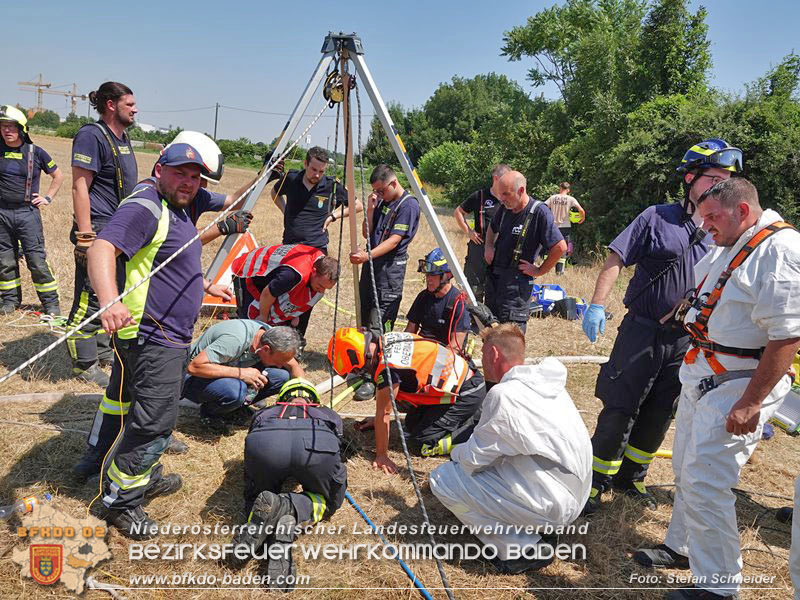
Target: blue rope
(423,592)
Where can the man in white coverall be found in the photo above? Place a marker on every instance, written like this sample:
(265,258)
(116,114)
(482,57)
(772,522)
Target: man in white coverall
(794,554)
(745,331)
(529,459)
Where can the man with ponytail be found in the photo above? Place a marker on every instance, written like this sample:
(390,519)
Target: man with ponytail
(104,172)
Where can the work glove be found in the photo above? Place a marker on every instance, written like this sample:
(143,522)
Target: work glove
(482,313)
(594,321)
(84,241)
(236,222)
(277,169)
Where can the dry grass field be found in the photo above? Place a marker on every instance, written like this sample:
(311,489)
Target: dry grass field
(40,441)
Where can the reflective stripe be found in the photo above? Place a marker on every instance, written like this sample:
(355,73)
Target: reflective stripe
(113,407)
(319,506)
(606,467)
(128,482)
(639,456)
(154,208)
(50,286)
(137,269)
(10,284)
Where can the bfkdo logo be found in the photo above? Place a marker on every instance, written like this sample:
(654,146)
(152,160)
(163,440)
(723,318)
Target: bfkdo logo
(46,562)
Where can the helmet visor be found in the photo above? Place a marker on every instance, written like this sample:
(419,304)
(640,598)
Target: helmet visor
(727,158)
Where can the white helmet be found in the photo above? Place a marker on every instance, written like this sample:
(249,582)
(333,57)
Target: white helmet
(209,152)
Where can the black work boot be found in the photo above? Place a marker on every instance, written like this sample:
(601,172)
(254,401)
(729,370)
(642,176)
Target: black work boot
(366,391)
(637,491)
(267,510)
(92,374)
(167,484)
(515,566)
(281,567)
(661,556)
(133,523)
(593,503)
(694,593)
(89,464)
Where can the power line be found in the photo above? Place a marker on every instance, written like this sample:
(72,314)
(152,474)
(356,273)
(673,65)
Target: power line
(179,110)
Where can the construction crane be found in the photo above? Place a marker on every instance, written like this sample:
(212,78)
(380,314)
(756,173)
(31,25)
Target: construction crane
(41,88)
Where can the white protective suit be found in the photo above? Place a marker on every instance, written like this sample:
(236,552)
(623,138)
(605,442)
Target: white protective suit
(528,461)
(760,302)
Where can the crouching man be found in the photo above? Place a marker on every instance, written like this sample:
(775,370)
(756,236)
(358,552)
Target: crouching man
(239,362)
(529,458)
(295,438)
(440,392)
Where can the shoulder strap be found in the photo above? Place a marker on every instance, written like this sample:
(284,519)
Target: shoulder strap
(393,217)
(481,212)
(699,328)
(29,173)
(115,156)
(523,232)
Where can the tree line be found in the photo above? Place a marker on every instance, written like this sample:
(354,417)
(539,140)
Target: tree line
(634,95)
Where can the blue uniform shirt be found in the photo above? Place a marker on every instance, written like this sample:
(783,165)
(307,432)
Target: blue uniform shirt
(306,210)
(542,234)
(433,318)
(14,172)
(655,240)
(399,217)
(90,151)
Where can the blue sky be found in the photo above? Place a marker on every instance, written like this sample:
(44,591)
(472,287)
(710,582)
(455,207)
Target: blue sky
(260,55)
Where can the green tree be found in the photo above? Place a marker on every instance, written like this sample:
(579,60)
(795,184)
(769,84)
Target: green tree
(47,119)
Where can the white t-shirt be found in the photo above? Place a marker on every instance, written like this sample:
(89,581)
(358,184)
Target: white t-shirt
(560,205)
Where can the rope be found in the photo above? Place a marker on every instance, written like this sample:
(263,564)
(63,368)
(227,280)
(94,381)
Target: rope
(417,583)
(341,236)
(388,375)
(221,215)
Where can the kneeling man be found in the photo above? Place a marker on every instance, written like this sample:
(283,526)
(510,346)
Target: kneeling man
(239,362)
(529,459)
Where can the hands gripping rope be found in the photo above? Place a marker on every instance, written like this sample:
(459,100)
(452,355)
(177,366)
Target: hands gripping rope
(222,215)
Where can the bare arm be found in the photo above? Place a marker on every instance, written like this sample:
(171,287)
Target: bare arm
(101,260)
(775,362)
(55,183)
(277,199)
(294,368)
(231,198)
(461,220)
(553,254)
(580,210)
(608,276)
(411,327)
(265,302)
(201,366)
(81,182)
(387,245)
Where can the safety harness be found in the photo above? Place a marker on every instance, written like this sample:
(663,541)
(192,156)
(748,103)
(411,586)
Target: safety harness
(115,156)
(29,174)
(392,217)
(698,330)
(517,254)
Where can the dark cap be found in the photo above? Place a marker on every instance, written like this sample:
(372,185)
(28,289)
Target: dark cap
(182,154)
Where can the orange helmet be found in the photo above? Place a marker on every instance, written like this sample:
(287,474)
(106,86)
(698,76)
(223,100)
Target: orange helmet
(351,350)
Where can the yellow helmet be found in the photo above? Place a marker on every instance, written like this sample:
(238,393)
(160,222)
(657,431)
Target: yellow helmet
(298,388)
(15,115)
(351,350)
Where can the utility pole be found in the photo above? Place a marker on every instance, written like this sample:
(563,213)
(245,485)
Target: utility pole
(216,116)
(39,85)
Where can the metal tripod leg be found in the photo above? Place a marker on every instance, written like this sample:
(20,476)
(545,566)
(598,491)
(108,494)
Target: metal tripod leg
(410,171)
(283,141)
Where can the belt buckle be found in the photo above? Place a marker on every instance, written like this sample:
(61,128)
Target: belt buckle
(707,384)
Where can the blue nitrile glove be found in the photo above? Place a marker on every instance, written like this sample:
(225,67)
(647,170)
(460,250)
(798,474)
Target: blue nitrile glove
(594,321)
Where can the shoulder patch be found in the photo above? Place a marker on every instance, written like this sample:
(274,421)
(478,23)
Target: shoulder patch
(124,150)
(51,164)
(82,158)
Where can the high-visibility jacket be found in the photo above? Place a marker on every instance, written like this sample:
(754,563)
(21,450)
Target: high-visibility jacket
(439,371)
(261,261)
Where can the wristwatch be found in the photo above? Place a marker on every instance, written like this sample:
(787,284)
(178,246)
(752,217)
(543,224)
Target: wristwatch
(49,199)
